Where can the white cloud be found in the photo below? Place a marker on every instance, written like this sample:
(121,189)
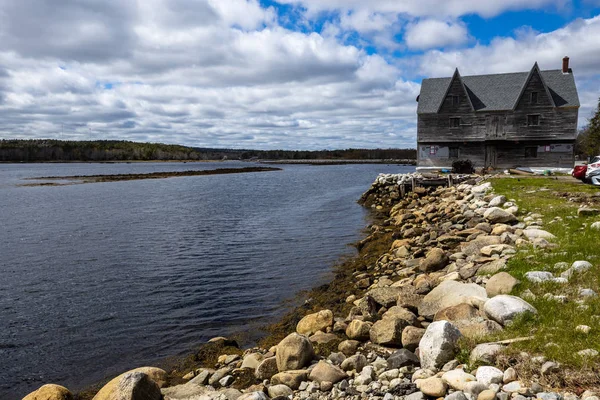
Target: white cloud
(227,74)
(578,40)
(429,33)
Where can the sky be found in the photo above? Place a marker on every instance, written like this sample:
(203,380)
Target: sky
(268,74)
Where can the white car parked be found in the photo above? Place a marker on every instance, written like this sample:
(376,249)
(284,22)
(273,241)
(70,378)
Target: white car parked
(592,175)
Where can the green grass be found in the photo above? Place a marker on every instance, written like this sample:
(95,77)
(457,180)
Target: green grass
(553,328)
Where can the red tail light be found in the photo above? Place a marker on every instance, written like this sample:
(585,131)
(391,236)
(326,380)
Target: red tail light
(597,165)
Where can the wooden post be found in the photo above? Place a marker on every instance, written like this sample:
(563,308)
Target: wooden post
(402,191)
(413,184)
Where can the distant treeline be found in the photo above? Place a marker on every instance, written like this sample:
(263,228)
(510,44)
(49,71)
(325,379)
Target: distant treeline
(40,150)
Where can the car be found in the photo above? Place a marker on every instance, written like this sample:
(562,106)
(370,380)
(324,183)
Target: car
(592,175)
(579,171)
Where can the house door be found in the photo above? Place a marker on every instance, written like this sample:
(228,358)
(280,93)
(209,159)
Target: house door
(490,156)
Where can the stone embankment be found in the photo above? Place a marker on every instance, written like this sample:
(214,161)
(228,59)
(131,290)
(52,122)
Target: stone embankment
(440,283)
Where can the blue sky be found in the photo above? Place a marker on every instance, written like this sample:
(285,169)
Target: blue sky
(292,74)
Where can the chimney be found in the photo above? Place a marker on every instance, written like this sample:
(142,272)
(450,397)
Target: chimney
(565,68)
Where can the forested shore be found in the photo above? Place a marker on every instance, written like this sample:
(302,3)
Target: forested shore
(49,150)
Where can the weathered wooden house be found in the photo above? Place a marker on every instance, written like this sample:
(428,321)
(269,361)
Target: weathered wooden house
(523,119)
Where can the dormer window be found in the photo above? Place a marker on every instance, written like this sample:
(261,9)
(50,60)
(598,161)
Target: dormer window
(455,100)
(534,97)
(455,122)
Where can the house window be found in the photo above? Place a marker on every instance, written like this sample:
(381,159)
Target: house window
(453,152)
(533,120)
(534,97)
(455,122)
(530,152)
(455,100)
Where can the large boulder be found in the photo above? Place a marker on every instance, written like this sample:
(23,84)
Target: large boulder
(501,283)
(439,344)
(450,293)
(358,330)
(312,323)
(496,215)
(459,312)
(131,386)
(50,392)
(388,331)
(504,308)
(324,371)
(385,296)
(292,378)
(294,352)
(266,369)
(111,389)
(435,260)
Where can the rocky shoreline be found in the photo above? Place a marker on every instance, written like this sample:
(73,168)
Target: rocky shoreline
(397,322)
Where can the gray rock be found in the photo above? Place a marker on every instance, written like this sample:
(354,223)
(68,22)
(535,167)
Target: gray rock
(456,396)
(137,386)
(388,331)
(336,358)
(497,215)
(504,308)
(293,379)
(497,201)
(488,375)
(501,283)
(457,378)
(218,375)
(253,396)
(474,246)
(324,371)
(348,347)
(280,390)
(252,360)
(447,294)
(548,396)
(202,377)
(402,358)
(226,381)
(266,369)
(435,260)
(439,344)
(357,362)
(358,330)
(385,296)
(294,352)
(534,233)
(416,396)
(581,266)
(485,353)
(474,388)
(538,276)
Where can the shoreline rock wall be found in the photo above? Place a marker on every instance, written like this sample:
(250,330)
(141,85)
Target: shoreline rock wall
(440,281)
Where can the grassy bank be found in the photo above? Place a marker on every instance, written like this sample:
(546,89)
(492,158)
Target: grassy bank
(554,331)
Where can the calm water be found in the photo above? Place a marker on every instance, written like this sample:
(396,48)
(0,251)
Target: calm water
(99,278)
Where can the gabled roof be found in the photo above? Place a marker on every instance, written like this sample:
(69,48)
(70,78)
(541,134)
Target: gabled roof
(456,76)
(498,92)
